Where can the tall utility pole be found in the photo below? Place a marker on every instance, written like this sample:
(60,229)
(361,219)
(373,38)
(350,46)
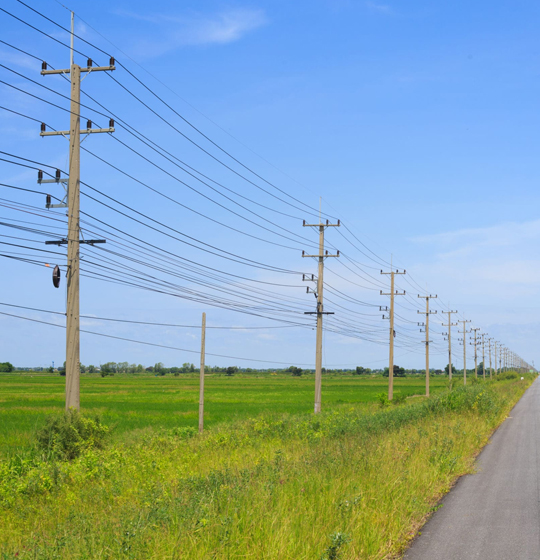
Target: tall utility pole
(450,325)
(428,313)
(464,321)
(392,293)
(475,352)
(201,375)
(496,366)
(490,368)
(73,240)
(320,308)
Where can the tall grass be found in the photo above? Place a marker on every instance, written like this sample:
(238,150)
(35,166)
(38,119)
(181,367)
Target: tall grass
(348,483)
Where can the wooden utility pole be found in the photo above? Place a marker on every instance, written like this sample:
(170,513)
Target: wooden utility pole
(73,241)
(428,313)
(392,293)
(320,308)
(483,357)
(475,353)
(201,376)
(450,325)
(496,365)
(490,367)
(464,321)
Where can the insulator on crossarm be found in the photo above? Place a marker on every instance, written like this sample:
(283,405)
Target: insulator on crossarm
(39,175)
(89,63)
(42,127)
(48,200)
(111,61)
(58,175)
(88,125)
(111,123)
(44,66)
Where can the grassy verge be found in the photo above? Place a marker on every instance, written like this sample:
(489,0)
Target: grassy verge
(349,483)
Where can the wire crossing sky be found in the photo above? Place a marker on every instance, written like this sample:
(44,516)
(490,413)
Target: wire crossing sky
(417,125)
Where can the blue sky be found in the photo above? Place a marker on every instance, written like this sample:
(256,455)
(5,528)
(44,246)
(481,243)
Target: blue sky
(416,123)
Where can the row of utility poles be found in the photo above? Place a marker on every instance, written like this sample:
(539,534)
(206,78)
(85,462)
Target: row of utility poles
(73,241)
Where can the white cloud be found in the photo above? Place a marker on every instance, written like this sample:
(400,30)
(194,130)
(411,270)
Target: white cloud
(19,59)
(499,261)
(177,31)
(381,8)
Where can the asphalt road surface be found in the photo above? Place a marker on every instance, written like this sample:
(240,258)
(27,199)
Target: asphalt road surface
(493,514)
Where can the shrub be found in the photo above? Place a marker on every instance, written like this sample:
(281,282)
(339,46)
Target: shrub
(383,400)
(333,551)
(67,435)
(399,398)
(507,375)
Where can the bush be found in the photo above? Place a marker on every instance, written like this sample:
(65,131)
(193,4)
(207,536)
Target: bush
(399,398)
(333,551)
(383,400)
(66,436)
(507,375)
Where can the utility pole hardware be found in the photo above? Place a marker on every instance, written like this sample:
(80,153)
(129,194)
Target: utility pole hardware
(464,321)
(428,313)
(475,352)
(450,325)
(73,239)
(320,308)
(392,293)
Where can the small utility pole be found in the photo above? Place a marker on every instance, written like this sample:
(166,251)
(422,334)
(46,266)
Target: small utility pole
(464,321)
(392,293)
(428,313)
(320,308)
(483,357)
(450,325)
(73,240)
(201,376)
(475,352)
(490,368)
(496,364)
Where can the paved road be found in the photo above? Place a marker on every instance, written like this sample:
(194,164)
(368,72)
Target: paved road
(494,514)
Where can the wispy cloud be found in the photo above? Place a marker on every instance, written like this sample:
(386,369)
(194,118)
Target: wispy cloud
(19,59)
(500,259)
(381,8)
(196,29)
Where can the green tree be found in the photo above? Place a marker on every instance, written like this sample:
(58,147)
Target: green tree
(295,371)
(398,371)
(6,367)
(231,370)
(360,370)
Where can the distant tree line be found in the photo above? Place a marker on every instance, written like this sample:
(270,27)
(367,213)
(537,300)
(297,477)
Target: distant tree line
(159,369)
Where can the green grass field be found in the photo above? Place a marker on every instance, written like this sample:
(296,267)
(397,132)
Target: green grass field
(134,402)
(269,480)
